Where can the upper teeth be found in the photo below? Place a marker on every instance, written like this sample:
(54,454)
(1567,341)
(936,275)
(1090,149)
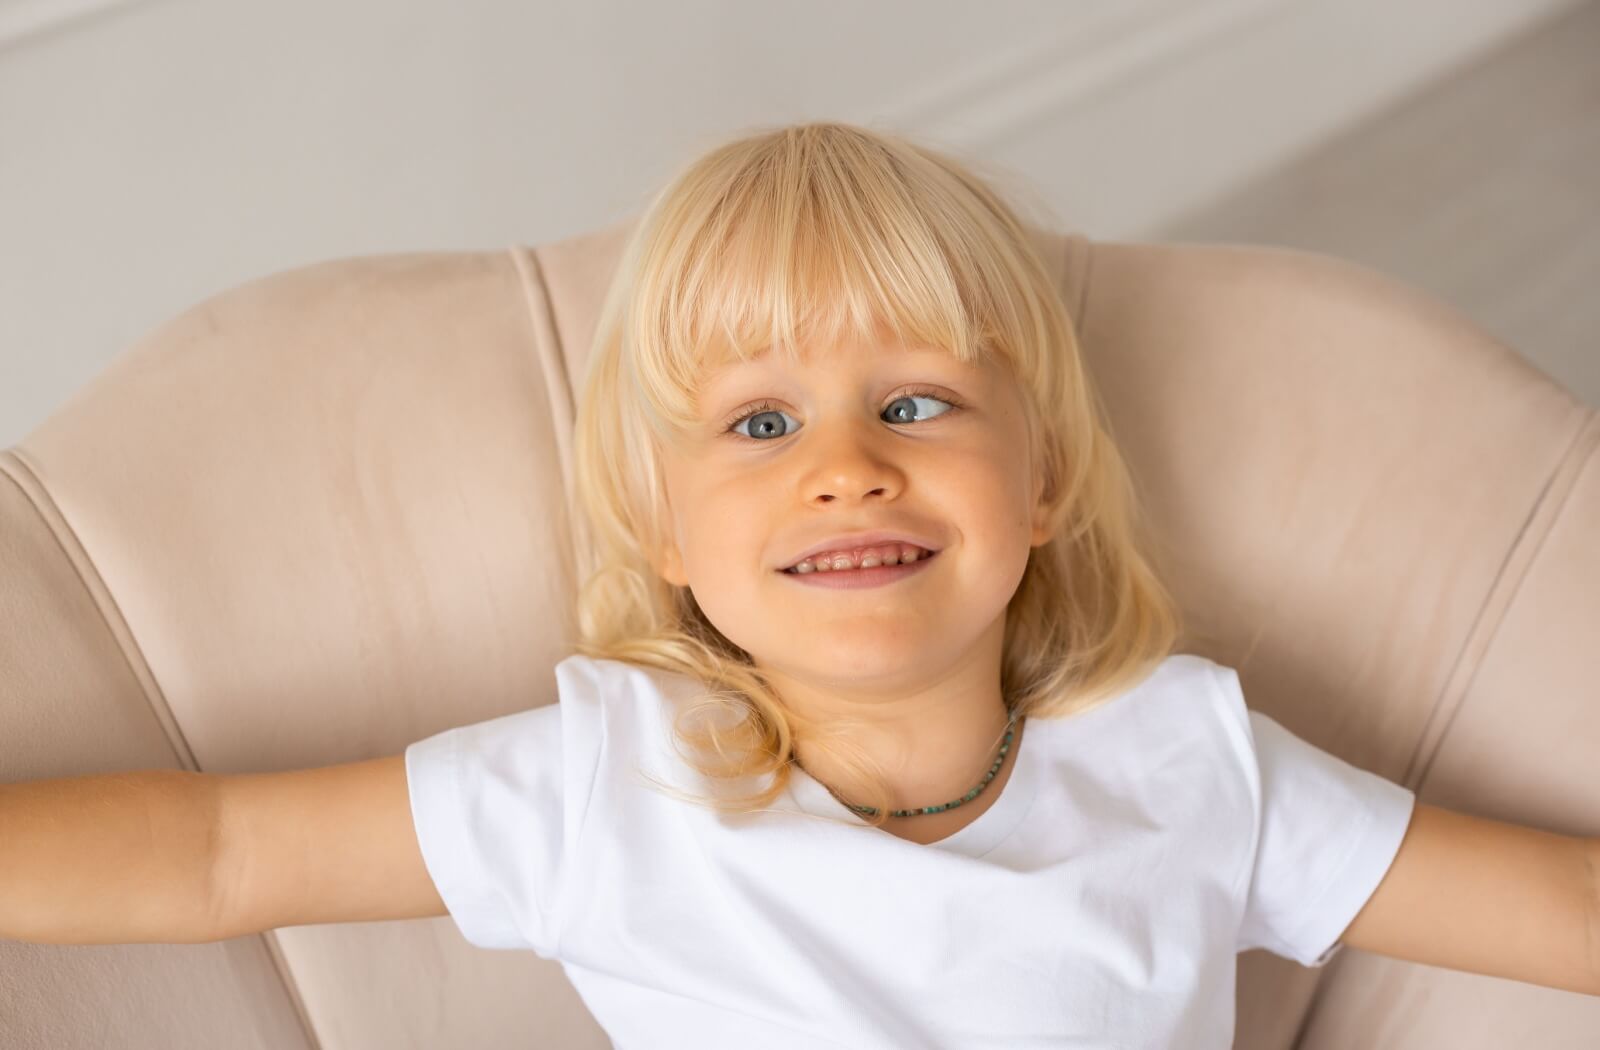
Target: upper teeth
(865,558)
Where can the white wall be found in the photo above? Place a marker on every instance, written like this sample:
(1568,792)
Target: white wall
(154,152)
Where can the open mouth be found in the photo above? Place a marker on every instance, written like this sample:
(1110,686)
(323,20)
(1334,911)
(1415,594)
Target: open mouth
(793,570)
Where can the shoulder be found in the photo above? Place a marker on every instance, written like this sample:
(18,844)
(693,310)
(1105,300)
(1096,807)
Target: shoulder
(1182,692)
(1186,704)
(626,696)
(591,677)
(1209,695)
(1189,667)
(1194,681)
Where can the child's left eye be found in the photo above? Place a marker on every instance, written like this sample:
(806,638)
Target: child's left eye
(768,408)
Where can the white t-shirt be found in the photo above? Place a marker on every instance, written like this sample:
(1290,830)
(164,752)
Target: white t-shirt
(1098,902)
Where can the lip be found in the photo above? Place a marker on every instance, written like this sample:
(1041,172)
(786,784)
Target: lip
(852,540)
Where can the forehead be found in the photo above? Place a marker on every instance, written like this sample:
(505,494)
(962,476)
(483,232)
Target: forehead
(865,359)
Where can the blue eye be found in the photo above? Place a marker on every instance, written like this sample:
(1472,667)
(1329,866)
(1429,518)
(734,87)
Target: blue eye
(772,427)
(766,426)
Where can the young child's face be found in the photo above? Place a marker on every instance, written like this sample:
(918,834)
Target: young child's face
(745,504)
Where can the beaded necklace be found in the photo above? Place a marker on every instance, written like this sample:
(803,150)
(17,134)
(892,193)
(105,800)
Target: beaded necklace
(968,797)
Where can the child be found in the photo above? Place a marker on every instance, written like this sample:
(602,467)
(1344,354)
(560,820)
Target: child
(877,734)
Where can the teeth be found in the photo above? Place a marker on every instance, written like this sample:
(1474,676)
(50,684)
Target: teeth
(844,561)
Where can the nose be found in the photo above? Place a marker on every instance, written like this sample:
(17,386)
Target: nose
(850,460)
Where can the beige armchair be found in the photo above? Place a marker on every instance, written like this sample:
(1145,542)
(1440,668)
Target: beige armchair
(325,514)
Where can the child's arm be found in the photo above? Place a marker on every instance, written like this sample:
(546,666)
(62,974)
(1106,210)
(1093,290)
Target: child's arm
(111,859)
(165,856)
(333,844)
(1489,898)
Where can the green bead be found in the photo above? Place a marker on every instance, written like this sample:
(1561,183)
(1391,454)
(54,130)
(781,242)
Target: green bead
(968,797)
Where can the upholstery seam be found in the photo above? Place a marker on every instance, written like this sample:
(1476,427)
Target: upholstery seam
(1558,486)
(105,603)
(548,348)
(1442,704)
(29,479)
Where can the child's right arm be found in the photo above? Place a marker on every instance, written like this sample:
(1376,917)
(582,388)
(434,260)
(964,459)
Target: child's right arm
(166,856)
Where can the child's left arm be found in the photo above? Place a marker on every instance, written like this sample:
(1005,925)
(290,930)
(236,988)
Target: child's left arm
(1490,898)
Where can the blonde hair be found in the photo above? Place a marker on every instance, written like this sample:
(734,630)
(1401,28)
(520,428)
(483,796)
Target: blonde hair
(822,231)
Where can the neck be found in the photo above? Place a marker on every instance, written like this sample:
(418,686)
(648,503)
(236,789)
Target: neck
(933,735)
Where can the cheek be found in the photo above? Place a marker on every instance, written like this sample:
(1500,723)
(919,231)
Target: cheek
(993,481)
(998,523)
(723,538)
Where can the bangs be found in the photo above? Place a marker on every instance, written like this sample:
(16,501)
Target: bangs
(815,239)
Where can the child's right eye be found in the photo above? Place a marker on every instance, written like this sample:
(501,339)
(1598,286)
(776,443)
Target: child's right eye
(766,408)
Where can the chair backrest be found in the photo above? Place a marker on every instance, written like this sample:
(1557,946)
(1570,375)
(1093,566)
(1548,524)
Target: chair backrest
(325,514)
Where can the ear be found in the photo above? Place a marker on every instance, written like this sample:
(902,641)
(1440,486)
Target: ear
(666,559)
(1045,512)
(669,565)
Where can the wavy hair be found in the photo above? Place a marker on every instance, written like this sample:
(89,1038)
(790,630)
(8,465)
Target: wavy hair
(821,231)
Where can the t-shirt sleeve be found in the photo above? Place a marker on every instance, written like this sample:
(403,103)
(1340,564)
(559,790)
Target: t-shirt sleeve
(1326,834)
(497,807)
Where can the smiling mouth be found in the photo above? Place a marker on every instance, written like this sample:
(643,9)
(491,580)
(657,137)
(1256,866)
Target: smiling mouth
(794,570)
